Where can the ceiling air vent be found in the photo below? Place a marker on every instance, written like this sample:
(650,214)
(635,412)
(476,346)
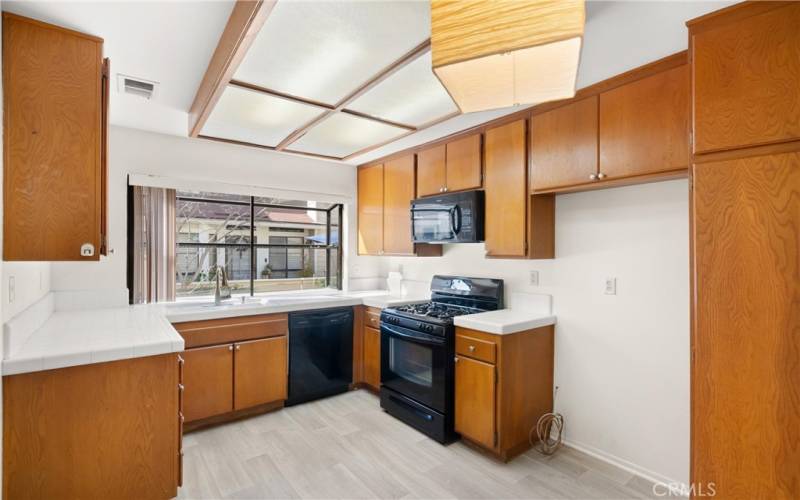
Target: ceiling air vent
(136,86)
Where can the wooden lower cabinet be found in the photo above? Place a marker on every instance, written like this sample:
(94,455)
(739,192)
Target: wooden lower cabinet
(367,347)
(208,382)
(476,401)
(234,376)
(372,357)
(260,372)
(104,430)
(504,383)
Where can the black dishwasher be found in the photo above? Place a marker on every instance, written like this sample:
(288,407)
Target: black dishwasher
(320,353)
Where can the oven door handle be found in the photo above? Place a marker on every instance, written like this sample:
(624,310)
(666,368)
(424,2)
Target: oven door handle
(419,338)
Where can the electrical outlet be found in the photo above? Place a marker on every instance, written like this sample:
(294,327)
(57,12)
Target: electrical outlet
(12,289)
(534,278)
(611,286)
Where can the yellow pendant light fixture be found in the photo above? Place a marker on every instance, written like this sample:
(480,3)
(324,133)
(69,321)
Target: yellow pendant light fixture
(497,53)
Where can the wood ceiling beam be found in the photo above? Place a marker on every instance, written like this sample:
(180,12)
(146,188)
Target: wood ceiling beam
(281,95)
(389,141)
(244,23)
(269,148)
(382,75)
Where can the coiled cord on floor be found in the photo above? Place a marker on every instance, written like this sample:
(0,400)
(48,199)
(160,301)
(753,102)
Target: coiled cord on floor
(544,431)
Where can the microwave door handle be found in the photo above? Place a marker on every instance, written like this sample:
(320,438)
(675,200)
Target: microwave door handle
(455,219)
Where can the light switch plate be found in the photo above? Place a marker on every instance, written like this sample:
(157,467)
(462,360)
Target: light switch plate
(611,286)
(534,278)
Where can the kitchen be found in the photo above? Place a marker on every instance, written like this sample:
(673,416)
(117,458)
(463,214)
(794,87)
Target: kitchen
(592,241)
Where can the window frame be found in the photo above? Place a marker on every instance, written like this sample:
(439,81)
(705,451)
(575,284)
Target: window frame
(252,246)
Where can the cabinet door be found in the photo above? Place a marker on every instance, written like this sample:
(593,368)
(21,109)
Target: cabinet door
(506,191)
(370,210)
(260,372)
(372,357)
(644,125)
(431,171)
(746,347)
(53,190)
(208,381)
(746,76)
(464,163)
(564,145)
(398,191)
(475,401)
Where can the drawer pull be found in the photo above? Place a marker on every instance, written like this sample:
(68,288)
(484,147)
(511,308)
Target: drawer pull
(472,348)
(180,387)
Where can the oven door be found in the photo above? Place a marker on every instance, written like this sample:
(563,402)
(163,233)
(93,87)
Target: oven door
(414,364)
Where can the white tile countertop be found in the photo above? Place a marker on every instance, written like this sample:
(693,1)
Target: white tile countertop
(504,321)
(70,338)
(525,312)
(69,329)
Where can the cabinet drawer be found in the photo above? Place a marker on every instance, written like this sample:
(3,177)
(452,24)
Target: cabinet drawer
(476,348)
(372,318)
(228,330)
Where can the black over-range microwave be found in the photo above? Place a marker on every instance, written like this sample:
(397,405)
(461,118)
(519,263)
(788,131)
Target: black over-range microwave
(448,218)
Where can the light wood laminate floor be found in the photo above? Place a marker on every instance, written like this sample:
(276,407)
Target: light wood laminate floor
(347,447)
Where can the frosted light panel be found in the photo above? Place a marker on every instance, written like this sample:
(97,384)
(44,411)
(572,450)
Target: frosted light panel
(342,134)
(325,50)
(528,76)
(248,116)
(413,96)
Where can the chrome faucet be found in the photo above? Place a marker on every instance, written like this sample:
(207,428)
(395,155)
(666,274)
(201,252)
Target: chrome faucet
(221,290)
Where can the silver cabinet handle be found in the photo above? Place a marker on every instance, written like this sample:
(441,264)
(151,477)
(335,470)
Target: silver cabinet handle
(472,348)
(441,189)
(238,347)
(592,176)
(455,359)
(445,189)
(601,175)
(230,347)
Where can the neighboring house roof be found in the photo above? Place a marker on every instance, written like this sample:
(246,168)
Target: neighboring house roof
(295,217)
(223,212)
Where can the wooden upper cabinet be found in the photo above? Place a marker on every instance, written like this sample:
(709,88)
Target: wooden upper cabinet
(431,177)
(464,163)
(208,381)
(260,373)
(370,210)
(54,136)
(398,191)
(564,145)
(644,125)
(475,401)
(506,189)
(745,78)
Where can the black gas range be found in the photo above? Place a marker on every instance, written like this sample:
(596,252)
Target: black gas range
(418,352)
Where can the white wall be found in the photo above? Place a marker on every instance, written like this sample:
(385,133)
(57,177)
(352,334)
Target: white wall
(136,151)
(622,361)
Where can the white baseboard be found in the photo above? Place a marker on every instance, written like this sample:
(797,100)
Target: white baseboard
(652,476)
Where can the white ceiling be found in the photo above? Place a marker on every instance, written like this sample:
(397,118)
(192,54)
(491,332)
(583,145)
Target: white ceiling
(171,42)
